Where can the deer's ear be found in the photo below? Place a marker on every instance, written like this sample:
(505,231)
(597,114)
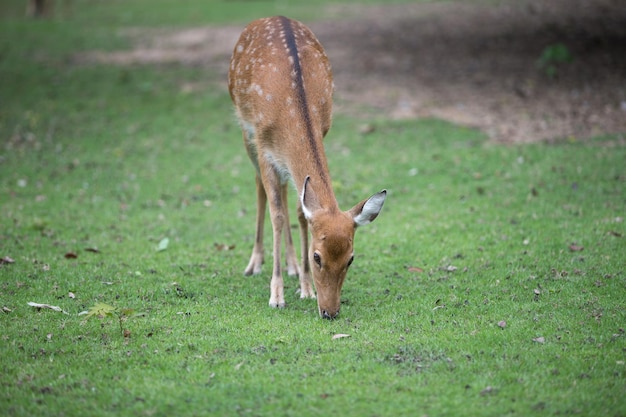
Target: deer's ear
(367,210)
(308,200)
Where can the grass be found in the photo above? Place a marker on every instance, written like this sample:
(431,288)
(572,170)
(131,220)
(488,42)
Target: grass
(492,284)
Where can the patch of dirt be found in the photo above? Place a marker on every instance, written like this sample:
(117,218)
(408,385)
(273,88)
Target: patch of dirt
(473,64)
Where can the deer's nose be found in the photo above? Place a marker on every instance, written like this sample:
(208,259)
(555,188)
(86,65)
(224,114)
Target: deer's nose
(329,316)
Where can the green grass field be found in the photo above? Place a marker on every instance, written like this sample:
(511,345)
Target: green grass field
(492,284)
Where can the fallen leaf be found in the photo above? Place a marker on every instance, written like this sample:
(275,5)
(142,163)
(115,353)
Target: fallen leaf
(7,260)
(100,310)
(6,309)
(92,250)
(163,244)
(223,247)
(415,269)
(51,307)
(576,248)
(340,336)
(71,255)
(539,339)
(126,333)
(502,324)
(451,268)
(367,128)
(71,295)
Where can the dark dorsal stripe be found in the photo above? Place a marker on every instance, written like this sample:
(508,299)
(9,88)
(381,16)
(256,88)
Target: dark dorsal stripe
(301,99)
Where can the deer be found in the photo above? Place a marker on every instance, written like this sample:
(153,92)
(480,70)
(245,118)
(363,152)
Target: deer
(281,85)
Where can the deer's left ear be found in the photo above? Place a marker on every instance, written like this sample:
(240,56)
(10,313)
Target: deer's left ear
(308,200)
(367,210)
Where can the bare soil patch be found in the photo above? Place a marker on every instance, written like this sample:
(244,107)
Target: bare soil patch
(473,64)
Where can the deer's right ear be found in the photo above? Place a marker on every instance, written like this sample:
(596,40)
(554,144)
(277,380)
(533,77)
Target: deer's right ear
(367,210)
(308,200)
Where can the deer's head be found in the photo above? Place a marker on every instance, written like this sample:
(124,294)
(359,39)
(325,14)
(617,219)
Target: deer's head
(332,241)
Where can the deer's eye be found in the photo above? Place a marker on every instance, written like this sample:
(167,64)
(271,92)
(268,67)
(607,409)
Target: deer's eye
(317,259)
(350,261)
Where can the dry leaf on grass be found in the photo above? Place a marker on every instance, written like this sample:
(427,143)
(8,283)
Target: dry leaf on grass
(223,247)
(48,306)
(7,260)
(576,248)
(340,336)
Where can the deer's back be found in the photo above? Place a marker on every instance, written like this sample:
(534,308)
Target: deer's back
(280,78)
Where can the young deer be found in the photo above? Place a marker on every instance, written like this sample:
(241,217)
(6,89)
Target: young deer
(281,84)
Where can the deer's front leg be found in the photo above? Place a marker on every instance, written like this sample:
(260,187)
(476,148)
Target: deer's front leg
(271,182)
(290,252)
(306,289)
(256,259)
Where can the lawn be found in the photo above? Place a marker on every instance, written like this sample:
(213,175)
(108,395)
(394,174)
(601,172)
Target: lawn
(493,283)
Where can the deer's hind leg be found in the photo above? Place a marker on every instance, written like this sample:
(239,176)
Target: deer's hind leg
(256,259)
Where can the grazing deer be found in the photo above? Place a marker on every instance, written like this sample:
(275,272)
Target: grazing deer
(281,84)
